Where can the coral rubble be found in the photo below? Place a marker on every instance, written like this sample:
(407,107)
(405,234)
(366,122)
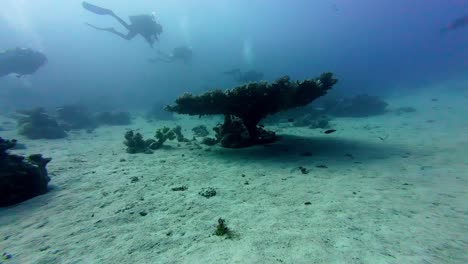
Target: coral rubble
(136,144)
(164,134)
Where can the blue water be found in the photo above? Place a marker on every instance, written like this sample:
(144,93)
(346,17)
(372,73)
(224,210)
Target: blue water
(371,46)
(384,187)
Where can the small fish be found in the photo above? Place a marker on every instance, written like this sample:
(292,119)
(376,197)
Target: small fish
(329,131)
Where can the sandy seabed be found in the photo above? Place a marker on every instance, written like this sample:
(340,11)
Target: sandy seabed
(384,189)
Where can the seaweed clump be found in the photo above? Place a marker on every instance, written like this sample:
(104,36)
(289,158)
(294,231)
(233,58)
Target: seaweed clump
(164,134)
(21,178)
(37,124)
(244,106)
(136,144)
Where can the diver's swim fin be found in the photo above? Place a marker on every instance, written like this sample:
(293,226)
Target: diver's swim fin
(96,9)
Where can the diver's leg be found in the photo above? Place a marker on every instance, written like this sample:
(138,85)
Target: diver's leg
(104,11)
(122,22)
(127,36)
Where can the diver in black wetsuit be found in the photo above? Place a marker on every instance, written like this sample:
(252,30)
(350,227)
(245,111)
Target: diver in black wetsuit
(144,25)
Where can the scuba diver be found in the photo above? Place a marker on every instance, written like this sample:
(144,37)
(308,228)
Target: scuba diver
(456,24)
(144,25)
(244,77)
(21,61)
(182,53)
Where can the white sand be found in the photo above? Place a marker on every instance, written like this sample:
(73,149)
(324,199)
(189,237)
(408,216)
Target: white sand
(398,200)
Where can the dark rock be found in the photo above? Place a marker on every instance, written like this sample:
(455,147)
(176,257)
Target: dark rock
(303,170)
(134,179)
(207,192)
(179,189)
(21,178)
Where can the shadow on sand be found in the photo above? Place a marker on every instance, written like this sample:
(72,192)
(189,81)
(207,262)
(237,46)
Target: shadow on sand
(293,148)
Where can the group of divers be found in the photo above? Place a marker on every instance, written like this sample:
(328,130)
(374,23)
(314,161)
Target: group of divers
(24,61)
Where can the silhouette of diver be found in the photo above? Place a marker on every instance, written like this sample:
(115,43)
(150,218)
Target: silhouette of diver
(144,25)
(456,24)
(244,77)
(182,53)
